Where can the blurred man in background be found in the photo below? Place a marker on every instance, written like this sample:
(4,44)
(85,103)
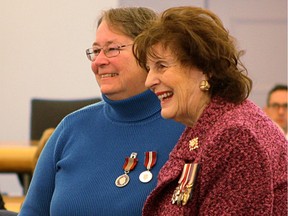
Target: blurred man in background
(276,106)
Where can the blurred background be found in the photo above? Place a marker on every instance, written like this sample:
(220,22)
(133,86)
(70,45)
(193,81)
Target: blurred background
(42,52)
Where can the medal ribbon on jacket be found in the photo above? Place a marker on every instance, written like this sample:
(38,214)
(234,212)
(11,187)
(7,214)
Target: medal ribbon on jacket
(150,161)
(183,192)
(129,164)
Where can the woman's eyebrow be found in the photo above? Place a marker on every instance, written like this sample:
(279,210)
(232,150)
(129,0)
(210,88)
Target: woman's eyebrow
(107,43)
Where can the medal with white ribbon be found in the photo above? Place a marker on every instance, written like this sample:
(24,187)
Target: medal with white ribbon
(183,193)
(130,163)
(150,161)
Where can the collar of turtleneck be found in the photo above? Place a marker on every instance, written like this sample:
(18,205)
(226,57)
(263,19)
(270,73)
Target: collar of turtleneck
(136,108)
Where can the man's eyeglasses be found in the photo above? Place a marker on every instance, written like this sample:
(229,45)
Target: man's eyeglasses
(277,106)
(110,51)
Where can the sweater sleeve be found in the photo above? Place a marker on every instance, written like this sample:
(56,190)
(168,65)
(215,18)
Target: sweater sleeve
(237,176)
(38,198)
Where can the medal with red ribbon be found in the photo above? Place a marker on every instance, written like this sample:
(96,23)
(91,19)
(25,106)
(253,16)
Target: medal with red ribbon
(150,161)
(130,163)
(183,192)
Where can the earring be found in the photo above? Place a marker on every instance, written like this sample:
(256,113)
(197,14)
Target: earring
(204,85)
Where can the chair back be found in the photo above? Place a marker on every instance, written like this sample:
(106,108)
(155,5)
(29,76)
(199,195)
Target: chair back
(47,113)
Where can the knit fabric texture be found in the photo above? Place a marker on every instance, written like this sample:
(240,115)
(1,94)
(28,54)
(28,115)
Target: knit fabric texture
(77,169)
(243,165)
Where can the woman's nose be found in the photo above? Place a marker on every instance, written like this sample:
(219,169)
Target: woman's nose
(151,80)
(100,59)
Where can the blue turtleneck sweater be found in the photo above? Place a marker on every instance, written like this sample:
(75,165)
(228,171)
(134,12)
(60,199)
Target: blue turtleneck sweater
(77,169)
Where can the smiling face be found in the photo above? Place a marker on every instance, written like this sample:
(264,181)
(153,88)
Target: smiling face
(118,77)
(177,86)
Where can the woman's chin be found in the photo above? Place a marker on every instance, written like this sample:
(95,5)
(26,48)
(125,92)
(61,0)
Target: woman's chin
(166,114)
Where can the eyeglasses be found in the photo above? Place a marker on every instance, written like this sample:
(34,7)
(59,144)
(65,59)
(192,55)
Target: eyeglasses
(277,106)
(110,51)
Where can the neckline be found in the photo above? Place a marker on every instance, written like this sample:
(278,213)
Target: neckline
(136,108)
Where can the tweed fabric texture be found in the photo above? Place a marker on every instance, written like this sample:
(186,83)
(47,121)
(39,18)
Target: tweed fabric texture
(243,159)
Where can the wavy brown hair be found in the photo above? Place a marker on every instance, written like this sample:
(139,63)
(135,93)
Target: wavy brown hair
(198,38)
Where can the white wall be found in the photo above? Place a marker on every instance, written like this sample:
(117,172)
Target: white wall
(42,54)
(260,26)
(160,5)
(42,49)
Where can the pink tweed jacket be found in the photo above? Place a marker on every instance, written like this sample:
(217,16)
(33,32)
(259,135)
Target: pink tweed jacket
(243,159)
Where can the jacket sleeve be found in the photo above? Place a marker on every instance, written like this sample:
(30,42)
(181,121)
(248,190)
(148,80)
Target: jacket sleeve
(238,176)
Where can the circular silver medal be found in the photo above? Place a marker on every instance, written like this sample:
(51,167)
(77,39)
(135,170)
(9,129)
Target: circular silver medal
(145,176)
(122,180)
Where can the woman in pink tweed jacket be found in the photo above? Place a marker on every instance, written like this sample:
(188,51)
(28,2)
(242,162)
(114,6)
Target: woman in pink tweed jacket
(231,159)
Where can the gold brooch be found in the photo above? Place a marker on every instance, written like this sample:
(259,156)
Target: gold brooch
(193,144)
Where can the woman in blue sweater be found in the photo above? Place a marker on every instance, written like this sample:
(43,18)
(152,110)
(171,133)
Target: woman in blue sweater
(93,163)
